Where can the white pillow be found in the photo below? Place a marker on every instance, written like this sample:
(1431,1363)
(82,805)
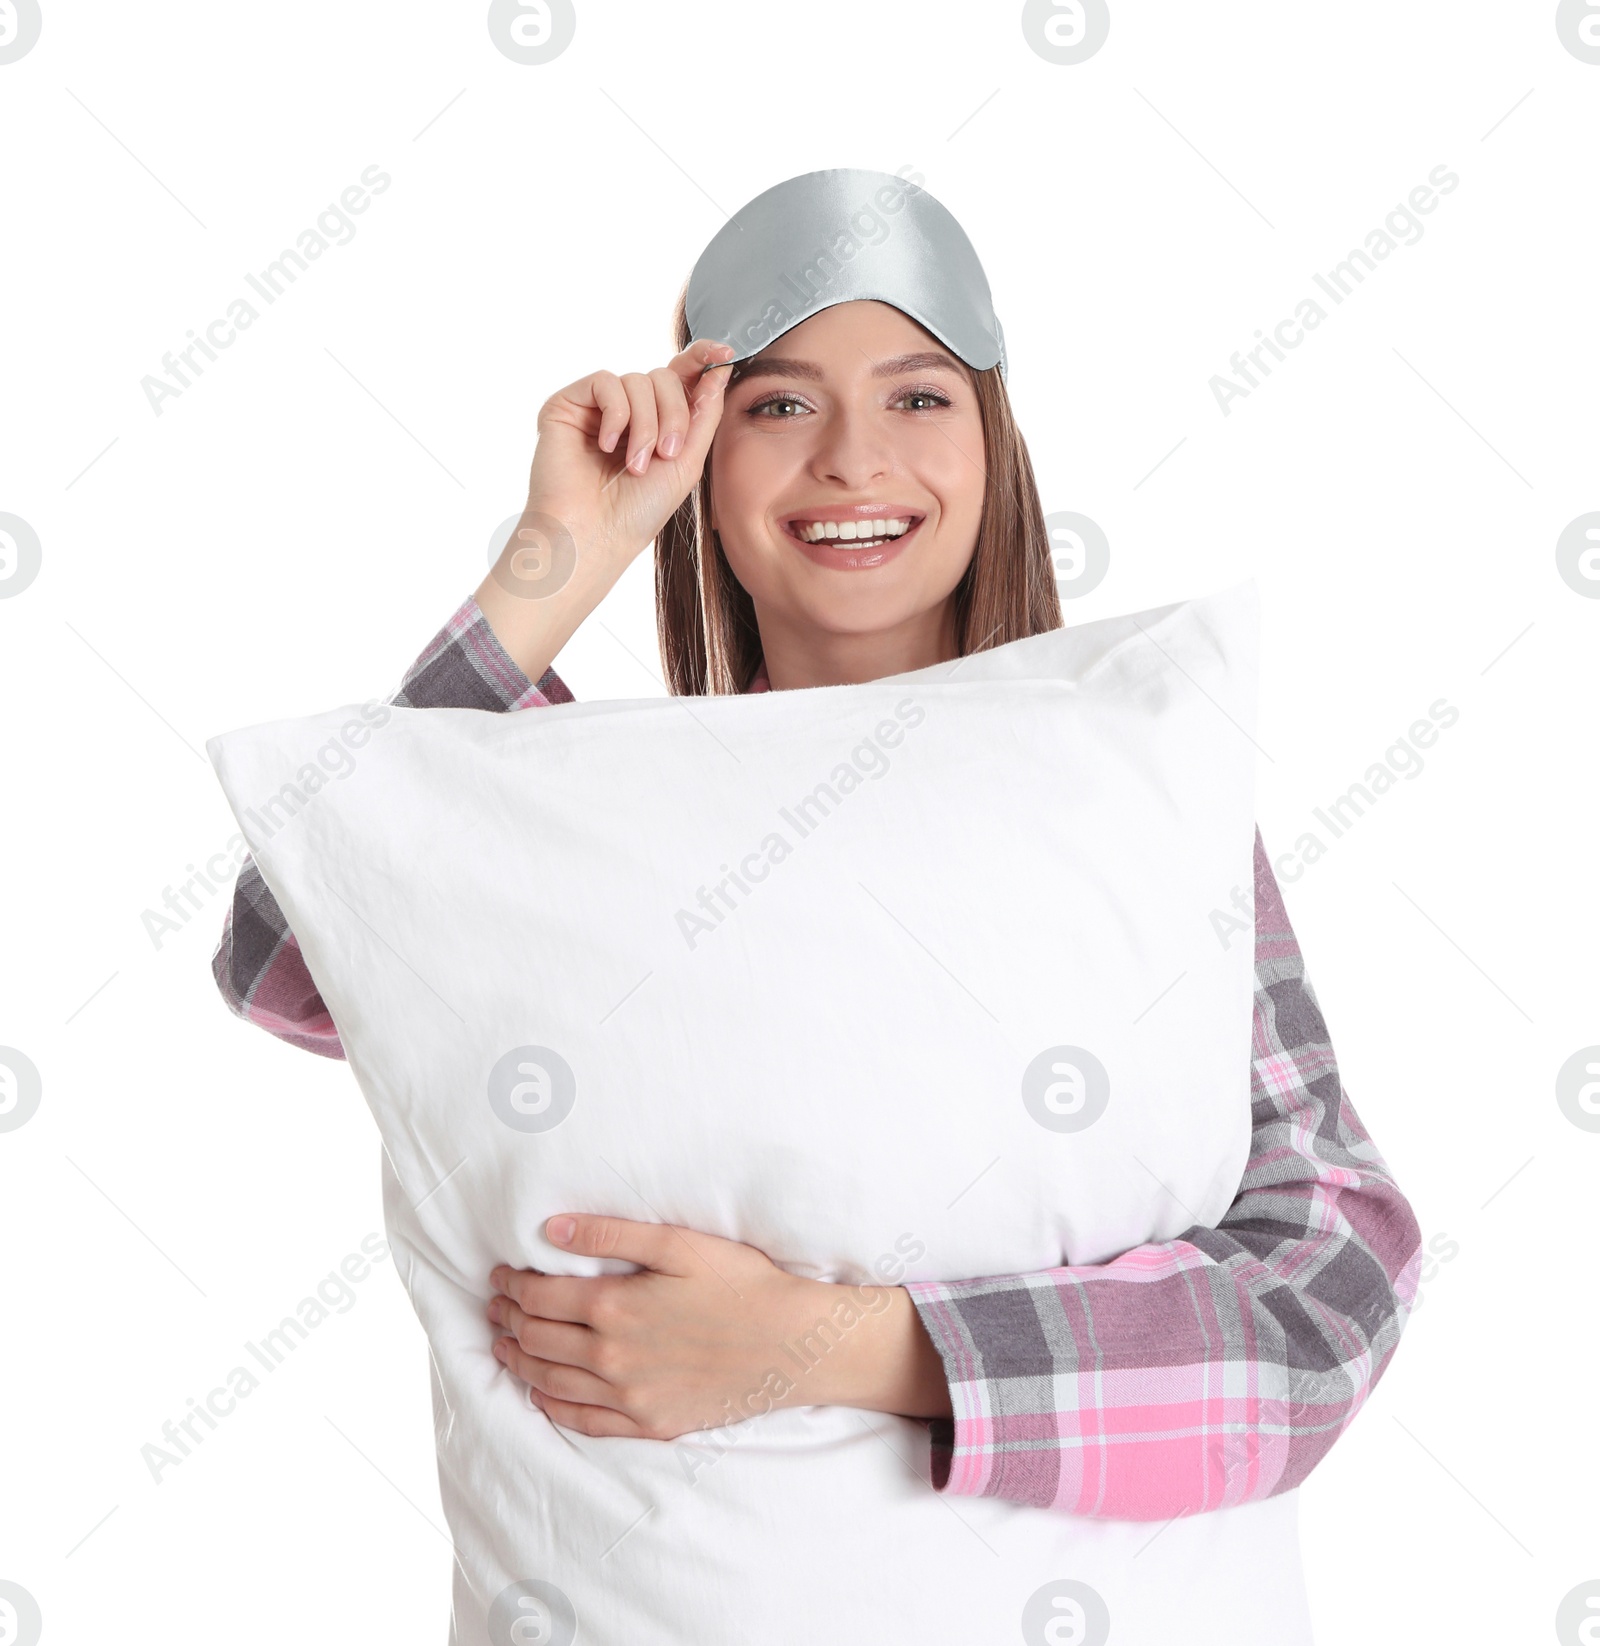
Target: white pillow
(865,1054)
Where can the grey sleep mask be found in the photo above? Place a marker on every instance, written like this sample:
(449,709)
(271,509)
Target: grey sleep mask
(837,236)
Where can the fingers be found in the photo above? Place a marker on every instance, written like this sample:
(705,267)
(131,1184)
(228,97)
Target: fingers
(606,389)
(551,1297)
(668,414)
(690,366)
(547,1339)
(659,411)
(672,411)
(586,1420)
(659,1246)
(550,1377)
(705,387)
(643,425)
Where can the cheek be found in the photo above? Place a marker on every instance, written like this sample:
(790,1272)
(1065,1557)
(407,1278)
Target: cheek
(746,472)
(950,465)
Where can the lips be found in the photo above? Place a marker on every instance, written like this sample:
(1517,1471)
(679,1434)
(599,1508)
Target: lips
(865,524)
(853,553)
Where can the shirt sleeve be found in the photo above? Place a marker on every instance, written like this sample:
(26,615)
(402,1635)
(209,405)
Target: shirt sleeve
(258,967)
(1213,1369)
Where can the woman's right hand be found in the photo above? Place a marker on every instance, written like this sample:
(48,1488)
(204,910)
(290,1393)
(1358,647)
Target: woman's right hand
(616,455)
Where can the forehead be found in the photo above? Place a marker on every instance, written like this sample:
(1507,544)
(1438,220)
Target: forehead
(859,338)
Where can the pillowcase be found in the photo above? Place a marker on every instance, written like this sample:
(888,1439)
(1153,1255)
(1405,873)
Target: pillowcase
(912,979)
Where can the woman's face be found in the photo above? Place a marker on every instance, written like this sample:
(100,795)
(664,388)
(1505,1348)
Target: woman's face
(853,416)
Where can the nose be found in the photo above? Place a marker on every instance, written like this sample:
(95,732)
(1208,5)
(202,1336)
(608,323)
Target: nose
(853,450)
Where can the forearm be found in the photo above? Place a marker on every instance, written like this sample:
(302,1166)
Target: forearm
(862,1346)
(541,588)
(1216,1368)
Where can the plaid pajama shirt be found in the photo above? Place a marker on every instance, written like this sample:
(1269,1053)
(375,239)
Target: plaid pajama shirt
(1188,1375)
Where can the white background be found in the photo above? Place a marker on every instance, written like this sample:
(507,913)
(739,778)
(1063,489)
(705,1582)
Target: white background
(289,532)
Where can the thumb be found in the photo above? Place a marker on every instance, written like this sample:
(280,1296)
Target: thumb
(648,1244)
(705,414)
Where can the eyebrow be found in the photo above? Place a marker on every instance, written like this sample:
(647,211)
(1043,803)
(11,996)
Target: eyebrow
(901,363)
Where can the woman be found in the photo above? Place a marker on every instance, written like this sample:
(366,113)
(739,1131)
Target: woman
(850,501)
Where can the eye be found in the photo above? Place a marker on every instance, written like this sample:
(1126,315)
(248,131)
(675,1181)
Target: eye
(932,396)
(761,406)
(933,400)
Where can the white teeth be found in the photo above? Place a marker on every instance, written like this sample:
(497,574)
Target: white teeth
(814,531)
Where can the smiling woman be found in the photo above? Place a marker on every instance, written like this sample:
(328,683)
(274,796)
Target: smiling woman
(852,500)
(862,418)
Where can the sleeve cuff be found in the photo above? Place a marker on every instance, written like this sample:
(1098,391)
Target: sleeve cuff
(958,1453)
(465,666)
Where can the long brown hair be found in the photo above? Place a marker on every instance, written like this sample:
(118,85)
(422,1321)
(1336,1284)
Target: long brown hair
(706,622)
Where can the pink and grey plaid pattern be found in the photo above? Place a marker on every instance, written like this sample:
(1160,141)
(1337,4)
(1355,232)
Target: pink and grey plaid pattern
(257,964)
(1189,1375)
(1216,1368)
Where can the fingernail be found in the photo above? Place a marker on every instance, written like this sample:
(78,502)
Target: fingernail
(669,446)
(499,1348)
(641,462)
(560,1229)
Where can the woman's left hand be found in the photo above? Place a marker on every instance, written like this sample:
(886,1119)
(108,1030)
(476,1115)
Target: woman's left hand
(706,1332)
(692,1340)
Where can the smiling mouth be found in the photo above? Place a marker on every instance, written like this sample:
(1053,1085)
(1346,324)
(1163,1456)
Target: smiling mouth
(862,533)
